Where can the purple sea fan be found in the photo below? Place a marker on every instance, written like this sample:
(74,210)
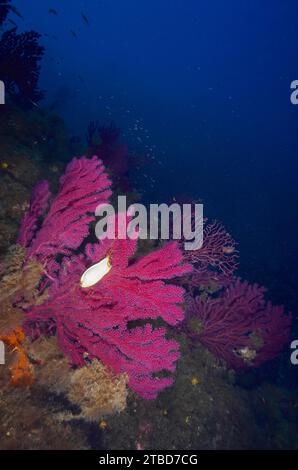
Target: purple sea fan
(83,186)
(215,262)
(239,326)
(218,252)
(38,205)
(106,321)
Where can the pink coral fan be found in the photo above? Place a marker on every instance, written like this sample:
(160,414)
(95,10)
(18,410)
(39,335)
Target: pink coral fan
(215,262)
(103,321)
(38,205)
(83,186)
(239,326)
(218,252)
(108,321)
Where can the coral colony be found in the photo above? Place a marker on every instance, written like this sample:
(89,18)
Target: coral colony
(230,317)
(239,326)
(102,299)
(20,56)
(218,255)
(97,321)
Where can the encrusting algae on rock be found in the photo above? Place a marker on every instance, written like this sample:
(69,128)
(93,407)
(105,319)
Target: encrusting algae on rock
(97,391)
(93,388)
(18,287)
(19,280)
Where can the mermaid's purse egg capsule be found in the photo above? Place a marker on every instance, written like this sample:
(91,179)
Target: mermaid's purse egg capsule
(95,273)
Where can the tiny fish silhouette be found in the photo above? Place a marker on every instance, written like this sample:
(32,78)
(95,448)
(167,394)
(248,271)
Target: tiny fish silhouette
(52,11)
(16,11)
(12,22)
(85,18)
(34,103)
(74,33)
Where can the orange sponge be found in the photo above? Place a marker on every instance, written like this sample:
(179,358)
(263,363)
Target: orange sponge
(21,371)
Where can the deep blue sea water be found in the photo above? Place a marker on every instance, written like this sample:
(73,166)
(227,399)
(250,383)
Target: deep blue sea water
(201,90)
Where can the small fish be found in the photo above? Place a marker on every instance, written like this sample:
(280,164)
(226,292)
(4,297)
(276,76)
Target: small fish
(81,78)
(52,11)
(74,33)
(12,22)
(34,104)
(85,18)
(16,11)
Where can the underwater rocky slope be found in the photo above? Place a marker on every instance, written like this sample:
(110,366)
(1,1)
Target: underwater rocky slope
(205,408)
